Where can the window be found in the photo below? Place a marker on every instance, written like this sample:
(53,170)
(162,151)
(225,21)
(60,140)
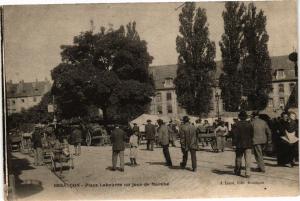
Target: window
(281,102)
(34,99)
(169,96)
(23,100)
(271,102)
(159,109)
(169,108)
(280,74)
(13,102)
(292,85)
(158,97)
(281,88)
(168,82)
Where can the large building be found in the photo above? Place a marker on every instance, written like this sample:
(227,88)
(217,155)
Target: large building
(165,100)
(23,95)
(284,82)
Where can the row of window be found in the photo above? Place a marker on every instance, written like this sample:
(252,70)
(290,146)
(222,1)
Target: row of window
(281,102)
(281,87)
(159,98)
(169,109)
(13,102)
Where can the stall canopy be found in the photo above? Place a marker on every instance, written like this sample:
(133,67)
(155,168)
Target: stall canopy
(141,121)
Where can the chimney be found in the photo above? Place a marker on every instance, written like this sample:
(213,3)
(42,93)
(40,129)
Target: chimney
(20,86)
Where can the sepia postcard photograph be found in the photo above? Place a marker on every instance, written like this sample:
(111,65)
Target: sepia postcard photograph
(122,101)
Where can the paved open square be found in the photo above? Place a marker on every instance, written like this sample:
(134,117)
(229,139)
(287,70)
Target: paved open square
(93,178)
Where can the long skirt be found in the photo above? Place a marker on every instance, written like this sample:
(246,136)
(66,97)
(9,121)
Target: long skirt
(220,142)
(133,152)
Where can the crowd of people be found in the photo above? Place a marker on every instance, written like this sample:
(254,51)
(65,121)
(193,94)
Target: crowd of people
(249,134)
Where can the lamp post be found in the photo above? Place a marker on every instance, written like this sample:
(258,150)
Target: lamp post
(218,98)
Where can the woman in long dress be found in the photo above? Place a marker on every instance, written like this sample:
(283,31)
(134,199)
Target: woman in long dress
(220,132)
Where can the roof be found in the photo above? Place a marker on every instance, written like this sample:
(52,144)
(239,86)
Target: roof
(160,73)
(27,89)
(283,63)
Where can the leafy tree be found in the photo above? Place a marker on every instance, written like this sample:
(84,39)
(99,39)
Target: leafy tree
(109,70)
(232,54)
(256,66)
(196,64)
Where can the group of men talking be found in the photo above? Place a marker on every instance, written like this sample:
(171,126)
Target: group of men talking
(188,140)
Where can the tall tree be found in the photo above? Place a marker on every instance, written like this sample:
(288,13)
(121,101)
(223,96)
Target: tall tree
(101,69)
(232,53)
(256,66)
(196,64)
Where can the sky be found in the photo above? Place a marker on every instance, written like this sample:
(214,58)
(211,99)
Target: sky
(33,34)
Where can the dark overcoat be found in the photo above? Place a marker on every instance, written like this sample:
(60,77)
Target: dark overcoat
(150,131)
(242,135)
(118,137)
(188,137)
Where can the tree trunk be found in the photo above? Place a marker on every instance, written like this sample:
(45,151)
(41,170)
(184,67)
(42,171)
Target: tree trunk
(105,118)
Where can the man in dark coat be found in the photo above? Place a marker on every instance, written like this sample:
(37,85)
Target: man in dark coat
(242,143)
(189,142)
(164,139)
(118,137)
(261,136)
(37,145)
(150,134)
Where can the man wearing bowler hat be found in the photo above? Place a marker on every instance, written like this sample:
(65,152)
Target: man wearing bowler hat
(163,137)
(189,143)
(242,143)
(150,134)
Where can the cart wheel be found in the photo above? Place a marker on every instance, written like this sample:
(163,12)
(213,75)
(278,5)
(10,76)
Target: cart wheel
(88,139)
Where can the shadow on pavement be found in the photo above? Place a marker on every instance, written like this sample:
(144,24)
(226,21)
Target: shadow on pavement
(175,167)
(24,188)
(156,163)
(272,165)
(221,172)
(232,167)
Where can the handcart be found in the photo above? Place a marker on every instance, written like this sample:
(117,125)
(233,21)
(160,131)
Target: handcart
(59,157)
(210,138)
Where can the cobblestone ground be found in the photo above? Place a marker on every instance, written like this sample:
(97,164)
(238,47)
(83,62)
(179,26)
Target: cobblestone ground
(151,178)
(92,178)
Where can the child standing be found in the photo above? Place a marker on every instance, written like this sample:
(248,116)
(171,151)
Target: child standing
(133,148)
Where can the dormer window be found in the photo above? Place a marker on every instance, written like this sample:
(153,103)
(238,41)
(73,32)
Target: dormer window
(168,82)
(280,74)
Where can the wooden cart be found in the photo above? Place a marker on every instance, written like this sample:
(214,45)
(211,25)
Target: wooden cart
(58,157)
(209,138)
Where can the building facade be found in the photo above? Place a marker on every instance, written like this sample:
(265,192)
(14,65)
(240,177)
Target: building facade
(24,95)
(165,100)
(284,82)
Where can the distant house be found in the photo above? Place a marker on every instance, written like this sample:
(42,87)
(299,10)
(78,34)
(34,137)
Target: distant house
(284,82)
(23,95)
(165,100)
